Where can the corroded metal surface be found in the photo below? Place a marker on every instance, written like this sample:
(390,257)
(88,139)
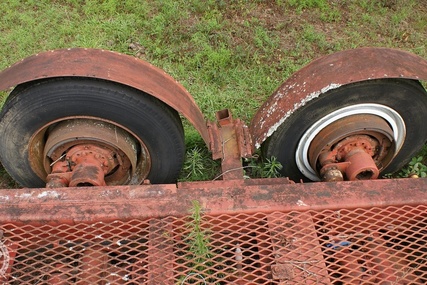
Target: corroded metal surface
(75,146)
(330,72)
(356,145)
(70,205)
(230,141)
(248,232)
(111,66)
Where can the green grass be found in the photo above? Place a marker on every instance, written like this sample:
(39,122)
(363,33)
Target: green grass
(228,54)
(417,167)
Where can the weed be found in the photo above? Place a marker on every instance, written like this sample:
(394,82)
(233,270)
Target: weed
(416,167)
(198,238)
(267,168)
(5,180)
(199,255)
(194,164)
(199,165)
(330,15)
(3,96)
(271,168)
(263,39)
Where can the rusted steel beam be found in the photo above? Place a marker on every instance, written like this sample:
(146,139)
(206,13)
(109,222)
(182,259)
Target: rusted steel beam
(230,141)
(88,204)
(305,265)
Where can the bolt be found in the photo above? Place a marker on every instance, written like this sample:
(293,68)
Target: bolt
(332,174)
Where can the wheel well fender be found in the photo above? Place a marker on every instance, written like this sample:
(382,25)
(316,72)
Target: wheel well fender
(330,72)
(107,65)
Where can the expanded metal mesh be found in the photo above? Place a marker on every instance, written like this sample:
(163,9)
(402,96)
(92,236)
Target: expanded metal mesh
(359,246)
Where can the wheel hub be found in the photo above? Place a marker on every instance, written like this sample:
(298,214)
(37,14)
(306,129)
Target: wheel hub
(374,132)
(88,152)
(356,145)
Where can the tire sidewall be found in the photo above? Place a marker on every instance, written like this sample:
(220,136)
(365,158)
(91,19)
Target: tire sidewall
(33,107)
(406,97)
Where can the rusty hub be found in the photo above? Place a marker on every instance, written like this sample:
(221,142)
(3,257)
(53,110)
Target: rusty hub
(383,133)
(85,165)
(354,147)
(87,151)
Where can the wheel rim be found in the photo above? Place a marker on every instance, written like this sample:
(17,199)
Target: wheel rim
(47,145)
(389,115)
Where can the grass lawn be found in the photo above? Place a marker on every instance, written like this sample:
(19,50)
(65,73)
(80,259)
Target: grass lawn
(228,54)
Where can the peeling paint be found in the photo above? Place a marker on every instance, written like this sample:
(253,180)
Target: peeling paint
(301,203)
(296,106)
(346,67)
(4,198)
(48,194)
(24,195)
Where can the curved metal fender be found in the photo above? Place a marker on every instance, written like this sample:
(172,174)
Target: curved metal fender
(330,72)
(111,66)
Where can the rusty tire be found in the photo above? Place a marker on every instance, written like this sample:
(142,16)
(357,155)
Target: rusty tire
(404,100)
(33,108)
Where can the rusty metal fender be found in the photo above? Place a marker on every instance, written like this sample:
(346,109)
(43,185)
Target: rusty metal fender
(330,72)
(110,66)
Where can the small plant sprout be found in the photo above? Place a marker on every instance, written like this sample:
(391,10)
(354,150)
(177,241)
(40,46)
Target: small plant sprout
(199,254)
(271,168)
(268,168)
(194,164)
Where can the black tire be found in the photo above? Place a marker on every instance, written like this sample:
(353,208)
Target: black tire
(33,105)
(407,97)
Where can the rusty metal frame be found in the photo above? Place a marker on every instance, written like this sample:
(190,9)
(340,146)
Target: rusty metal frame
(230,141)
(73,205)
(107,65)
(233,211)
(330,72)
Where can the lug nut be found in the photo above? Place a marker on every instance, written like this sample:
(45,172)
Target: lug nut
(332,174)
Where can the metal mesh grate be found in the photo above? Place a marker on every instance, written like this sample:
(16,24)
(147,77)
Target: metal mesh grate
(359,246)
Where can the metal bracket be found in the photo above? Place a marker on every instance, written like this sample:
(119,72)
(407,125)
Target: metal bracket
(230,141)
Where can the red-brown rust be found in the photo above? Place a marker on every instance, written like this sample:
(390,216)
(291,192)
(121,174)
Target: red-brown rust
(7,254)
(353,145)
(361,166)
(85,164)
(94,266)
(329,72)
(71,205)
(160,252)
(368,245)
(230,142)
(108,65)
(60,175)
(352,156)
(87,174)
(290,265)
(99,143)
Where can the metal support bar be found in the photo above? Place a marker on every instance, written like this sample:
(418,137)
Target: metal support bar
(67,205)
(230,141)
